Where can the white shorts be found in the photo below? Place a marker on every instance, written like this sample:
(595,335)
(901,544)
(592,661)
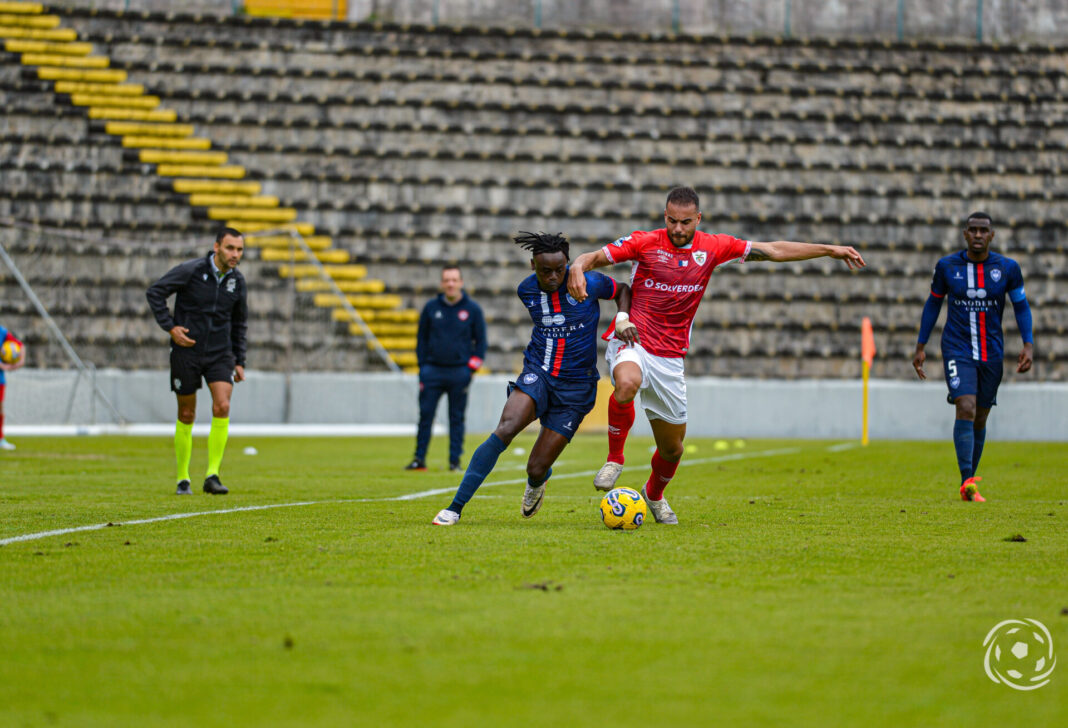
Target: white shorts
(663,387)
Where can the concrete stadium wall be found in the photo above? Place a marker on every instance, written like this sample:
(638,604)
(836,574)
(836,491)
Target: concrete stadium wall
(1001,20)
(718,407)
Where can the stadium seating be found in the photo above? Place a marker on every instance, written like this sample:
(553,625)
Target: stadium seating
(398,148)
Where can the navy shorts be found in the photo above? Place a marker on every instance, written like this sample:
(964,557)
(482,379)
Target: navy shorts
(967,376)
(560,404)
(188,368)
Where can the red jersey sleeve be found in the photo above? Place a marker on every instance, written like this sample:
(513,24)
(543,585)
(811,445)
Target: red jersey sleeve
(729,248)
(625,248)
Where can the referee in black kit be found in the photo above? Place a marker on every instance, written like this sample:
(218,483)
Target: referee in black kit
(450,348)
(209,337)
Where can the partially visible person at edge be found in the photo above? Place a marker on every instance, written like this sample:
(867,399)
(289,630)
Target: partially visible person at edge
(6,336)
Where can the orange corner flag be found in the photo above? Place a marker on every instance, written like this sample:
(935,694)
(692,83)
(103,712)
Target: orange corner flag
(867,341)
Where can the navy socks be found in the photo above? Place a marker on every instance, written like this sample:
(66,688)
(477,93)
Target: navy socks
(964,442)
(482,463)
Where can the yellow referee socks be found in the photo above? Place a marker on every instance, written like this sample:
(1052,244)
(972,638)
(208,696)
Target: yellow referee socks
(183,448)
(220,430)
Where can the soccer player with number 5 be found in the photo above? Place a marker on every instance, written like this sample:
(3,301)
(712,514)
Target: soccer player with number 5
(975,282)
(671,270)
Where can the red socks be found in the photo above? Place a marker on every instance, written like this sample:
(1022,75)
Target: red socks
(663,472)
(620,420)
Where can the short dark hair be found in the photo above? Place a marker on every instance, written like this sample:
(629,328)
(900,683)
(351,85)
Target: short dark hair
(538,243)
(683,196)
(452,266)
(981,216)
(223,232)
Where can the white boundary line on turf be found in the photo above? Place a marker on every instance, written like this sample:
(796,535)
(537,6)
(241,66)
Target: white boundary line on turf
(405,497)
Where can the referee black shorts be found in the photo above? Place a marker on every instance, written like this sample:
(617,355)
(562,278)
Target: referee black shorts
(188,368)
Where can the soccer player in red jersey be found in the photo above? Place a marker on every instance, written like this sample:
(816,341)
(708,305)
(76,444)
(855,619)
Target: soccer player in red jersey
(670,274)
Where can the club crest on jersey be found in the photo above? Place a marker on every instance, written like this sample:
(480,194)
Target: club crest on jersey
(995,275)
(699,257)
(462,314)
(571,300)
(530,378)
(230,285)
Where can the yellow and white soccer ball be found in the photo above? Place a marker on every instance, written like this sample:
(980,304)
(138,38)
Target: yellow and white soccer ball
(10,352)
(623,508)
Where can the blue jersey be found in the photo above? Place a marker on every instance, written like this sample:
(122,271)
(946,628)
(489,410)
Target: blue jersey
(976,295)
(564,340)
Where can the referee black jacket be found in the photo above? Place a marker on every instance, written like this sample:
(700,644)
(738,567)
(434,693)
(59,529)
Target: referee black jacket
(215,310)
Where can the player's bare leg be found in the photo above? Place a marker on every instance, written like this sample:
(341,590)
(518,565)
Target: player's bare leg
(546,450)
(669,448)
(628,379)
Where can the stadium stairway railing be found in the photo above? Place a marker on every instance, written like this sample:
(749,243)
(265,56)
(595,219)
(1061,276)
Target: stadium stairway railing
(216,189)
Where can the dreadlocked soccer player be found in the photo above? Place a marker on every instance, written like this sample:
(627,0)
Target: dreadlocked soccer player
(558,385)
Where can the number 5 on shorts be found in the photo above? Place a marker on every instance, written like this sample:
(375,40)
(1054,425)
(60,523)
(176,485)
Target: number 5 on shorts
(951,367)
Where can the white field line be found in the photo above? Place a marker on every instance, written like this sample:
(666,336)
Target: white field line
(405,497)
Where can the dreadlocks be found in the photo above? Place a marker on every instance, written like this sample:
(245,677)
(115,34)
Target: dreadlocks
(538,243)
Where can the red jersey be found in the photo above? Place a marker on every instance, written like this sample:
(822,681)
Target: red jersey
(668,283)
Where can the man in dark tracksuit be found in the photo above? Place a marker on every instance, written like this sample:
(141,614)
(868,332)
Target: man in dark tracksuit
(208,330)
(451,345)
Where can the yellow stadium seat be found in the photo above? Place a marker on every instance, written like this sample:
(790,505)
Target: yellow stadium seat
(405,359)
(55,34)
(218,187)
(315,242)
(21,8)
(83,88)
(305,229)
(392,343)
(357,301)
(401,316)
(388,329)
(106,112)
(18,45)
(46,59)
(204,199)
(168,143)
(318,285)
(29,20)
(85,75)
(97,101)
(193,170)
(124,128)
(276,215)
(349,272)
(333,256)
(152,156)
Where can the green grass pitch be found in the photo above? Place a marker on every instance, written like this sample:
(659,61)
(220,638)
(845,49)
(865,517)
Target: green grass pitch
(806,585)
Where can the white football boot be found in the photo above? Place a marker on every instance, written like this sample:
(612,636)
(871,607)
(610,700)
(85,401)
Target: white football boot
(532,499)
(446,517)
(661,511)
(607,476)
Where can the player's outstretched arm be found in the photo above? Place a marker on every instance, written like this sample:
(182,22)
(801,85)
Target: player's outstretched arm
(576,279)
(782,251)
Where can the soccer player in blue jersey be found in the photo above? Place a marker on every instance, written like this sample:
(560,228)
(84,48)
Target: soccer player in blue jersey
(975,281)
(558,385)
